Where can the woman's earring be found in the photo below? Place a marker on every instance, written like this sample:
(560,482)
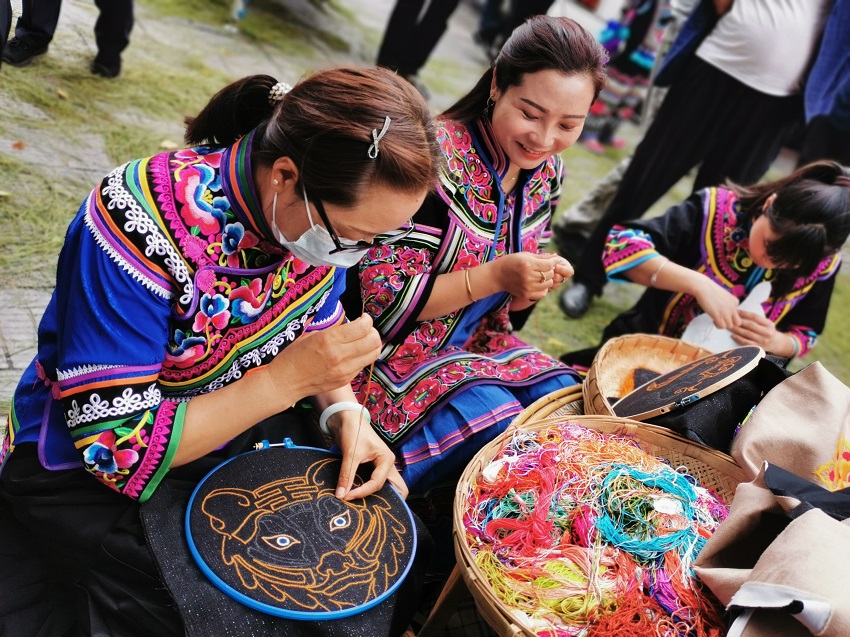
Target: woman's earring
(275,182)
(488,107)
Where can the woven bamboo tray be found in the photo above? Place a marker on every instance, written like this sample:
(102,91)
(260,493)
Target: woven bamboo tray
(712,469)
(612,371)
(564,402)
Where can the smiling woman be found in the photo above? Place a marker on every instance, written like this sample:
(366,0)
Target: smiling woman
(452,374)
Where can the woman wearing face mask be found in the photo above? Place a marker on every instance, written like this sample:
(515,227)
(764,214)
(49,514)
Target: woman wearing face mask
(452,375)
(197,296)
(707,253)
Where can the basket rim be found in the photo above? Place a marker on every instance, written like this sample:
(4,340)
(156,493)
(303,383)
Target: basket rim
(552,401)
(595,401)
(472,574)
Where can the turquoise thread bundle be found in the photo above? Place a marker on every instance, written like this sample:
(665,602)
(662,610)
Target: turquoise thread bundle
(585,533)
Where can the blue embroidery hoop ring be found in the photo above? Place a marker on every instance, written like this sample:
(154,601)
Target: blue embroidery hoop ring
(280,611)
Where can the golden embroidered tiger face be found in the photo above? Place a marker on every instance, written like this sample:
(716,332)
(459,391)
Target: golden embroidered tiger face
(294,541)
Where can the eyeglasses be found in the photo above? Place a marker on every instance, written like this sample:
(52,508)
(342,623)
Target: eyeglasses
(356,246)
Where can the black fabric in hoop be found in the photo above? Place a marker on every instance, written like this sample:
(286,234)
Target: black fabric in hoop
(207,611)
(688,384)
(267,529)
(707,400)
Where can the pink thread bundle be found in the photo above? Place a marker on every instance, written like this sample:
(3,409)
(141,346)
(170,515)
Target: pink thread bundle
(584,533)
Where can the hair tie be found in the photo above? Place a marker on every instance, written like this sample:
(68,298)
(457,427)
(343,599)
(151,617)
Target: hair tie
(277,92)
(376,137)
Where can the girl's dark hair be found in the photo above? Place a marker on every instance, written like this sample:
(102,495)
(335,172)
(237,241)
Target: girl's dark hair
(324,124)
(542,43)
(810,217)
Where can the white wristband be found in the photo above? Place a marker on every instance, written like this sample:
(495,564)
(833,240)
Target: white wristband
(338,407)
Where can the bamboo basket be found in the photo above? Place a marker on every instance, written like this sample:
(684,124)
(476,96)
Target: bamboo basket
(712,469)
(564,402)
(616,361)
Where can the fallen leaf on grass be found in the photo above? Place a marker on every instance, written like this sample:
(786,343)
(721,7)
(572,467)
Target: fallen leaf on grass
(18,145)
(4,194)
(62,94)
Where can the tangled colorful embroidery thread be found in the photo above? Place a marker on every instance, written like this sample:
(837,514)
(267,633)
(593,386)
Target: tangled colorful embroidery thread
(580,532)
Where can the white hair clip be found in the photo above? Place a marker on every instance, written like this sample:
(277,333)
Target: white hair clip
(277,92)
(376,137)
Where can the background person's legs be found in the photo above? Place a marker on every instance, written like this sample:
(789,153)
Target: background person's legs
(34,30)
(824,140)
(112,35)
(398,34)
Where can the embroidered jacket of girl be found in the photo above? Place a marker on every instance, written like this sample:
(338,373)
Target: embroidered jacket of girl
(169,285)
(708,233)
(425,364)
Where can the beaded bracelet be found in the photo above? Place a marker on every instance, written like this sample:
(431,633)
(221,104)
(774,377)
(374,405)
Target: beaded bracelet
(338,407)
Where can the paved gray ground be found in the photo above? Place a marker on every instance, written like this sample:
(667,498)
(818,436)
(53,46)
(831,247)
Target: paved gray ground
(455,65)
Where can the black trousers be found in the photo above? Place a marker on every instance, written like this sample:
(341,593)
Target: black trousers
(823,140)
(5,21)
(708,118)
(522,10)
(74,558)
(38,20)
(411,35)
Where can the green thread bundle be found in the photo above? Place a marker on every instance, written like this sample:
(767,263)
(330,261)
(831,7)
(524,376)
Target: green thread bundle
(584,533)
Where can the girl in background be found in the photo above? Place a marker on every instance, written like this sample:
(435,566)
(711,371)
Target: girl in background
(707,253)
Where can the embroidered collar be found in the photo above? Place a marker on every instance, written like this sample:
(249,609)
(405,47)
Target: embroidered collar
(485,141)
(237,180)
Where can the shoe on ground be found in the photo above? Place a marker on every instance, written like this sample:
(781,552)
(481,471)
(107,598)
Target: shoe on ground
(575,300)
(108,70)
(19,53)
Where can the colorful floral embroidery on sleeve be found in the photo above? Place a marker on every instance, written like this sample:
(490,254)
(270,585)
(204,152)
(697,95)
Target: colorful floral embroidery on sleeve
(391,278)
(121,425)
(626,248)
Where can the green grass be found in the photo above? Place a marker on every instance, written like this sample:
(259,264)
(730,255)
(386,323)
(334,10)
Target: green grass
(266,22)
(66,110)
(25,262)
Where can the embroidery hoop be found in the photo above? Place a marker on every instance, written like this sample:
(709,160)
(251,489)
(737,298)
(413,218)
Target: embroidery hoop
(286,456)
(687,384)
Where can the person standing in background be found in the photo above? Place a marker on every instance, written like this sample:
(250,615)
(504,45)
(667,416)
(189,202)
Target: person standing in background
(37,24)
(411,36)
(629,72)
(729,109)
(5,22)
(495,28)
(827,96)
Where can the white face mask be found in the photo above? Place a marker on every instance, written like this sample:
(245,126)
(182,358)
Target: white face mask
(315,245)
